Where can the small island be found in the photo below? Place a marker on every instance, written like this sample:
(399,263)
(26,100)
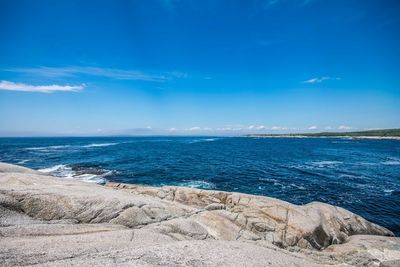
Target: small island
(371,134)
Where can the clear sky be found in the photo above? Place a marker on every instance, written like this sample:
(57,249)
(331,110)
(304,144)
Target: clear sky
(198,67)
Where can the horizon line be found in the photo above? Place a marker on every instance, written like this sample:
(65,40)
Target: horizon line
(188,135)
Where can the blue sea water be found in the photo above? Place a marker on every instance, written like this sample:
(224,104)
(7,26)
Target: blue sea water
(360,175)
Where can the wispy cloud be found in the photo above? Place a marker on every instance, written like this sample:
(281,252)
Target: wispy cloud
(256,127)
(11,86)
(240,129)
(344,127)
(196,128)
(320,79)
(119,74)
(226,129)
(250,128)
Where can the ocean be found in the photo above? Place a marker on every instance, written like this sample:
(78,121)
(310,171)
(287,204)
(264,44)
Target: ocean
(362,176)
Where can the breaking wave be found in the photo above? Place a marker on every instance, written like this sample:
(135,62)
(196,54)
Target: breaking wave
(198,184)
(100,144)
(85,174)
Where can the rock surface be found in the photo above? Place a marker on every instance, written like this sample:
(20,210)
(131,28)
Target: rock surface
(57,222)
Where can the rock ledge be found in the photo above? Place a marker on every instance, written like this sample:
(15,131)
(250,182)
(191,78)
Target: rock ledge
(50,221)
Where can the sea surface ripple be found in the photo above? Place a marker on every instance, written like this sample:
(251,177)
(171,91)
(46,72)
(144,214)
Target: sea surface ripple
(360,175)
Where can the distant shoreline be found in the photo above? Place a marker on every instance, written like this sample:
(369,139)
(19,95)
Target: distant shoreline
(388,134)
(336,137)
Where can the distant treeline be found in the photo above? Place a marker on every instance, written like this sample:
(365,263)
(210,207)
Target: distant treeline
(378,133)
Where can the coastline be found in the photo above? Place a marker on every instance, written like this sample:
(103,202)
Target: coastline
(331,137)
(385,134)
(50,221)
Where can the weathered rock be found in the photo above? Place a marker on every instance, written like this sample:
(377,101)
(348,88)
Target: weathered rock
(107,245)
(315,225)
(368,250)
(51,221)
(392,263)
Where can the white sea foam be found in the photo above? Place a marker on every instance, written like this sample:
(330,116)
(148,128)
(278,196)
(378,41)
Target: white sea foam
(59,171)
(268,179)
(36,148)
(53,168)
(23,161)
(391,162)
(58,147)
(90,178)
(203,140)
(61,148)
(100,144)
(327,162)
(198,184)
(365,163)
(388,191)
(64,171)
(48,147)
(298,186)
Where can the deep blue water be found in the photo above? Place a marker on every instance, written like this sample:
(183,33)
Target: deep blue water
(360,175)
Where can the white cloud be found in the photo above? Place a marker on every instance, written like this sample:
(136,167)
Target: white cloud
(312,127)
(256,127)
(344,127)
(235,128)
(320,79)
(11,86)
(329,128)
(172,130)
(196,128)
(119,74)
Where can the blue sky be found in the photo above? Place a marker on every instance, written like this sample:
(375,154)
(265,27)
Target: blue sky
(198,67)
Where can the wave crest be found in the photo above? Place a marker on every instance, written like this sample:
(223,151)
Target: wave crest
(100,144)
(84,174)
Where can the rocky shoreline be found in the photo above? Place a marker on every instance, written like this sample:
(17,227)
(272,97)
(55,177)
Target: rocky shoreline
(49,221)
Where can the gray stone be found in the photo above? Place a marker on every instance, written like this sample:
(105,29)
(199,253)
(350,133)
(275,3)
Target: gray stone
(392,263)
(57,222)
